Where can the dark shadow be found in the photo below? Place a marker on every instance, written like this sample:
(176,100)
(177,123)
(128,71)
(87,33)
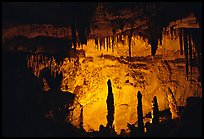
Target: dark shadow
(140,115)
(110,106)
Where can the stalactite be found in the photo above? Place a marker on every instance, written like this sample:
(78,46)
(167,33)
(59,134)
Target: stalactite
(107,43)
(171,32)
(186,50)
(109,39)
(129,44)
(190,50)
(100,43)
(130,38)
(88,30)
(181,40)
(28,61)
(194,51)
(164,30)
(98,46)
(154,45)
(117,40)
(120,38)
(160,37)
(74,36)
(198,40)
(96,42)
(126,39)
(195,46)
(44,60)
(113,39)
(103,42)
(174,34)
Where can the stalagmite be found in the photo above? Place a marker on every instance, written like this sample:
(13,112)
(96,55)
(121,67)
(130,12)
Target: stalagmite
(155,112)
(110,106)
(140,114)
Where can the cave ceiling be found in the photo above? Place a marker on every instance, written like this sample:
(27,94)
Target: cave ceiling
(104,18)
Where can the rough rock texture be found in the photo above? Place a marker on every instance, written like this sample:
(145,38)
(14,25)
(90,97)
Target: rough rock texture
(151,76)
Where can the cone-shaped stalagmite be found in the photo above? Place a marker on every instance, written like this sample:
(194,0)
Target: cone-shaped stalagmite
(110,106)
(155,112)
(140,114)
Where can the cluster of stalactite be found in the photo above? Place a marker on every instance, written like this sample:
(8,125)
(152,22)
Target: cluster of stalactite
(38,62)
(189,39)
(108,42)
(190,43)
(79,35)
(80,26)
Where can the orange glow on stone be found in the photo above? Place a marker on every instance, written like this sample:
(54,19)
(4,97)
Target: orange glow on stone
(87,78)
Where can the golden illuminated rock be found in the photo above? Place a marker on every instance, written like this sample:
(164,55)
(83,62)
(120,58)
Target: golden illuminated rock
(86,76)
